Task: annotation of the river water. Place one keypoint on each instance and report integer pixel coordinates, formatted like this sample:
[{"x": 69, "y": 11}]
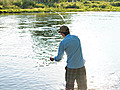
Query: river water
[{"x": 28, "y": 40}]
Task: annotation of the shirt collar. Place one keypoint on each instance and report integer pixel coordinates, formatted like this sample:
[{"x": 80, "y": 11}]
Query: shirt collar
[{"x": 67, "y": 36}]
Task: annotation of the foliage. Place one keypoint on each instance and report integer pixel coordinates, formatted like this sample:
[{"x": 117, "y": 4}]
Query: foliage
[
  {"x": 39, "y": 5},
  {"x": 116, "y": 4},
  {"x": 27, "y": 4},
  {"x": 57, "y": 5},
  {"x": 72, "y": 5},
  {"x": 1, "y": 6},
  {"x": 17, "y": 3},
  {"x": 103, "y": 6},
  {"x": 51, "y": 5},
  {"x": 11, "y": 7},
  {"x": 86, "y": 2},
  {"x": 1, "y": 3},
  {"x": 94, "y": 6}
]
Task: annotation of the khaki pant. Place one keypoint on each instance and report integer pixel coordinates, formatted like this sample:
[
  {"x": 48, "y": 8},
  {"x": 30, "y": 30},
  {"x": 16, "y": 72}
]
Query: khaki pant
[{"x": 76, "y": 74}]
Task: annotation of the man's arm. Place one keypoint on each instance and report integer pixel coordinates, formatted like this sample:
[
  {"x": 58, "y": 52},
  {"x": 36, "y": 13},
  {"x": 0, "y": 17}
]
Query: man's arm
[{"x": 60, "y": 53}]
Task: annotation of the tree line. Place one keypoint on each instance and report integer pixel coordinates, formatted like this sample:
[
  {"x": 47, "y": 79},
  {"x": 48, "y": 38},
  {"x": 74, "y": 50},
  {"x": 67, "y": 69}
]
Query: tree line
[
  {"x": 61, "y": 4},
  {"x": 54, "y": 1},
  {"x": 51, "y": 1}
]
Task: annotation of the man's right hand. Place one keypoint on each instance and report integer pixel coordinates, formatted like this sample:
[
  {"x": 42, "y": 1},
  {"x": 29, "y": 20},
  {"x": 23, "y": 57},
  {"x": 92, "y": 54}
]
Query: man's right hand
[{"x": 52, "y": 59}]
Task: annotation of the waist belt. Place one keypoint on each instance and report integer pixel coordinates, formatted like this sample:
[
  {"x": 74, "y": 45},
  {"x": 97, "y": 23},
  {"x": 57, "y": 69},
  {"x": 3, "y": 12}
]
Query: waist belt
[{"x": 75, "y": 69}]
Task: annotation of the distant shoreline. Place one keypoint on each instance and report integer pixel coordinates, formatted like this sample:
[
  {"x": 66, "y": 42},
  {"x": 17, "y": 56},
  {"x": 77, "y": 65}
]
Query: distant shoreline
[
  {"x": 44, "y": 10},
  {"x": 30, "y": 6}
]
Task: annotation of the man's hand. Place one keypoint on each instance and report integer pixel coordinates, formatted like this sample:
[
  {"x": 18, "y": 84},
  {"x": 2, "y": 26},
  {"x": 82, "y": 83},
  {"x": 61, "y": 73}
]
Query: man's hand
[{"x": 52, "y": 59}]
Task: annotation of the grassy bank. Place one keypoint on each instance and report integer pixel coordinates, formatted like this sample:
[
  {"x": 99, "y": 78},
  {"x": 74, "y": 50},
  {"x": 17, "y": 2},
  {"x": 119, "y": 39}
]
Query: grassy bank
[{"x": 18, "y": 7}]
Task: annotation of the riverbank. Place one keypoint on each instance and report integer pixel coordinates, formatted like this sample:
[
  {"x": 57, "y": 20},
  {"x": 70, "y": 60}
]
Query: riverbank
[
  {"x": 44, "y": 10},
  {"x": 63, "y": 7}
]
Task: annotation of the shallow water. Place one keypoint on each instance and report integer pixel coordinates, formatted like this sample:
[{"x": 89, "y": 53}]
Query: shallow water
[{"x": 28, "y": 40}]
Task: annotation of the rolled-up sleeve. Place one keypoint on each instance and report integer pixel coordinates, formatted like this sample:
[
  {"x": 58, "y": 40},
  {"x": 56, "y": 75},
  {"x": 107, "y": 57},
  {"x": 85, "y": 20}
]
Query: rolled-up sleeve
[{"x": 60, "y": 52}]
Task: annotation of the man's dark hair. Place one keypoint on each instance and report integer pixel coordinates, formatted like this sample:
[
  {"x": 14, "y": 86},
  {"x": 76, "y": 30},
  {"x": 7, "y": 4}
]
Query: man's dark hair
[{"x": 66, "y": 33}]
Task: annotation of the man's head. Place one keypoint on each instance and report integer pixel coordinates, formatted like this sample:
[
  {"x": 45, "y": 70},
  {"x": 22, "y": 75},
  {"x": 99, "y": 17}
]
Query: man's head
[{"x": 64, "y": 30}]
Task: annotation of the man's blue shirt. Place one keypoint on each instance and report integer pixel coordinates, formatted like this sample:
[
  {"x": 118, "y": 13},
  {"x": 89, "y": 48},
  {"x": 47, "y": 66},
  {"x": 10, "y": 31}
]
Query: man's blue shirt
[{"x": 72, "y": 46}]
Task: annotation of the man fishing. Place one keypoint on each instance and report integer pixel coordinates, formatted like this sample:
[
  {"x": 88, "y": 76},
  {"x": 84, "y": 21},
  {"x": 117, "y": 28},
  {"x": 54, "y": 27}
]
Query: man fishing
[{"x": 75, "y": 69}]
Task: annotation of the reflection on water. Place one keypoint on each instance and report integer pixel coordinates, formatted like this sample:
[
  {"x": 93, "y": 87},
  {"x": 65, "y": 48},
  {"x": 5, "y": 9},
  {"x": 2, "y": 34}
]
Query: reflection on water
[
  {"x": 44, "y": 44},
  {"x": 28, "y": 40}
]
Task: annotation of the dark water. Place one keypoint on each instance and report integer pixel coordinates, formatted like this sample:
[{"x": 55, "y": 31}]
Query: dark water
[{"x": 28, "y": 40}]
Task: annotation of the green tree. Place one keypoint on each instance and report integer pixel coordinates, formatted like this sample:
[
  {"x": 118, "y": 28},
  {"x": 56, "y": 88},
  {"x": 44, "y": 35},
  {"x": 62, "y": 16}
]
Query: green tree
[{"x": 5, "y": 2}]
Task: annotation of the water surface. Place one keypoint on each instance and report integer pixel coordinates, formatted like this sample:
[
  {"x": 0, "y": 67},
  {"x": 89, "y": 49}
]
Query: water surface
[{"x": 28, "y": 40}]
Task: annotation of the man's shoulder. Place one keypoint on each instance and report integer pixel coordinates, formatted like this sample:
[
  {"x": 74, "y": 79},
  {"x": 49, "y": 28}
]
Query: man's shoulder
[{"x": 74, "y": 36}]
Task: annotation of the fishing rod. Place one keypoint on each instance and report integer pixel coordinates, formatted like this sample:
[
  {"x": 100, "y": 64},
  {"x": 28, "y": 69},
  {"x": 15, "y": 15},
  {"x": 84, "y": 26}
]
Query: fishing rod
[{"x": 59, "y": 15}]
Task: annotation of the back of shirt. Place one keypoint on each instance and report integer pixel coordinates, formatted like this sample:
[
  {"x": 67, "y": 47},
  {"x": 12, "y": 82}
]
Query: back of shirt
[{"x": 72, "y": 46}]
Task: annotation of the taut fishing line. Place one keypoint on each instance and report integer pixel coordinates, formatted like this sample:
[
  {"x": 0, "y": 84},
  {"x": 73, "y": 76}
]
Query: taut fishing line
[{"x": 59, "y": 15}]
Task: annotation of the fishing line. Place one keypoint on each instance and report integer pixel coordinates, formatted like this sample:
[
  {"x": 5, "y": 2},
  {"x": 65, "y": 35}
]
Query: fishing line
[{"x": 59, "y": 15}]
